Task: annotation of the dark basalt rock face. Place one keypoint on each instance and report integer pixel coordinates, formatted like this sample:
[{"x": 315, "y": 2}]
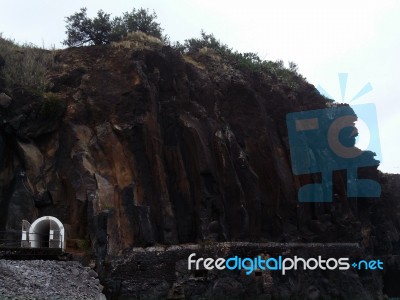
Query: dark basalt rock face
[{"x": 148, "y": 146}]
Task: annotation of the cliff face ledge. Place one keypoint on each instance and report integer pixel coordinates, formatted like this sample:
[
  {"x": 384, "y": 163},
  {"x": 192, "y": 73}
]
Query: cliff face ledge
[{"x": 140, "y": 146}]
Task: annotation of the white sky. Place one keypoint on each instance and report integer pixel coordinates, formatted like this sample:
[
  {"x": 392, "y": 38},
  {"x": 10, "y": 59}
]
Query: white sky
[{"x": 324, "y": 38}]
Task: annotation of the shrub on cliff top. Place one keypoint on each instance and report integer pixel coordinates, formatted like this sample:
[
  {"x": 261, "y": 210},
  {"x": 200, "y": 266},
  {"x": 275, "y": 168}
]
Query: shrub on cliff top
[
  {"x": 25, "y": 65},
  {"x": 247, "y": 62},
  {"x": 82, "y": 30},
  {"x": 243, "y": 61}
]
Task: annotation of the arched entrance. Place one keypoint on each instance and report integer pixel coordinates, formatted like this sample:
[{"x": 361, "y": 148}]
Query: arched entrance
[{"x": 46, "y": 232}]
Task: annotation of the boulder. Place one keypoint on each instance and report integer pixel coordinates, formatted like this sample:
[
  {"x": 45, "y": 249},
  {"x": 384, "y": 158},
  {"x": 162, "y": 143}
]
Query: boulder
[{"x": 5, "y": 100}]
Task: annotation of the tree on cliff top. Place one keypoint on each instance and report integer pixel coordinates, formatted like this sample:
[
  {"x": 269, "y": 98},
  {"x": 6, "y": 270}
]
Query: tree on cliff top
[{"x": 82, "y": 30}]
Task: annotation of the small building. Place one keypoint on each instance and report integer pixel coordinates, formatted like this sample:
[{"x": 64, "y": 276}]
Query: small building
[{"x": 45, "y": 232}]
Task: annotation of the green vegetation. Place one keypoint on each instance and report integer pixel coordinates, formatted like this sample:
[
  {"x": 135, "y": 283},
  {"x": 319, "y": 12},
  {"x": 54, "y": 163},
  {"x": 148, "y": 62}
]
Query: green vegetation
[
  {"x": 25, "y": 65},
  {"x": 51, "y": 106},
  {"x": 84, "y": 245},
  {"x": 101, "y": 30},
  {"x": 246, "y": 62}
]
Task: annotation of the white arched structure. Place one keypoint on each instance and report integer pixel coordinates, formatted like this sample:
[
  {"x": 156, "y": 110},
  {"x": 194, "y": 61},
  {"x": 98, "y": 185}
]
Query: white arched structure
[{"x": 47, "y": 232}]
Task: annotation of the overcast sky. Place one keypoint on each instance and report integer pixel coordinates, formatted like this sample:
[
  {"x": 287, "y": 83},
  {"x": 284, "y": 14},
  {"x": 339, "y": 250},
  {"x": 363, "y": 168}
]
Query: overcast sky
[{"x": 324, "y": 38}]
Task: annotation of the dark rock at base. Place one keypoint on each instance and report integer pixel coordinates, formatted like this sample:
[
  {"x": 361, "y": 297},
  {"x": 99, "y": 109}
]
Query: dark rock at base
[{"x": 227, "y": 288}]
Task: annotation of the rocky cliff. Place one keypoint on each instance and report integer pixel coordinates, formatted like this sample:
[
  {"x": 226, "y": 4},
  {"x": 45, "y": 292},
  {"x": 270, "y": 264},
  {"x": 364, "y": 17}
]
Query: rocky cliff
[{"x": 135, "y": 144}]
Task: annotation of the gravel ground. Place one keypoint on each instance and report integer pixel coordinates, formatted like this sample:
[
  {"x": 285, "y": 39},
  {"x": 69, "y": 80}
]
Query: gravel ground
[{"x": 38, "y": 279}]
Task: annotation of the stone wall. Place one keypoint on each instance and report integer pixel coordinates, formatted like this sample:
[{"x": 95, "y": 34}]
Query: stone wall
[{"x": 162, "y": 273}]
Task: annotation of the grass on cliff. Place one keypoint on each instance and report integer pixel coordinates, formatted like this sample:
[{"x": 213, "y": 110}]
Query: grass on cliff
[
  {"x": 51, "y": 106},
  {"x": 25, "y": 65}
]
